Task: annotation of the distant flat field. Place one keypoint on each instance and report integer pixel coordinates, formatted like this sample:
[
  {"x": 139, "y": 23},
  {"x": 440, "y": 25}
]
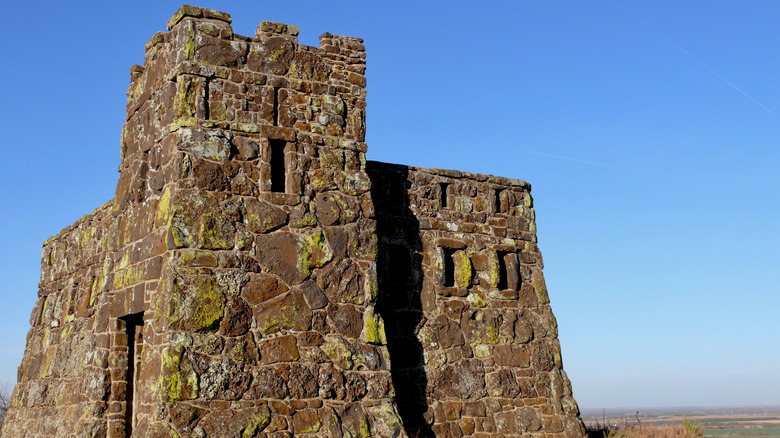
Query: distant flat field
[
  {"x": 718, "y": 422},
  {"x": 744, "y": 433}
]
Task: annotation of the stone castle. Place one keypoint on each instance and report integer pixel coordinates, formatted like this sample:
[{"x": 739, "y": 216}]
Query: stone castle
[{"x": 255, "y": 276}]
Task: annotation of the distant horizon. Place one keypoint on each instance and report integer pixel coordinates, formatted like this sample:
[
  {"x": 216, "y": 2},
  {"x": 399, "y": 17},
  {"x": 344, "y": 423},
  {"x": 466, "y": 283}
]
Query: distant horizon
[{"x": 626, "y": 408}]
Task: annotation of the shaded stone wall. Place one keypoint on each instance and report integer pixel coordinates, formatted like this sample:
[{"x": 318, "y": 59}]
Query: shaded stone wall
[
  {"x": 471, "y": 335},
  {"x": 241, "y": 280},
  {"x": 71, "y": 377}
]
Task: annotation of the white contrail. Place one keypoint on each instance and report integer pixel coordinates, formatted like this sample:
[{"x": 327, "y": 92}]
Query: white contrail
[
  {"x": 561, "y": 157},
  {"x": 719, "y": 76}
]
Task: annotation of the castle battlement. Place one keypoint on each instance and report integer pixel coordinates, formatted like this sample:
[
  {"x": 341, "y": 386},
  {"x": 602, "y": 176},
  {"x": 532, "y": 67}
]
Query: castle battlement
[{"x": 254, "y": 275}]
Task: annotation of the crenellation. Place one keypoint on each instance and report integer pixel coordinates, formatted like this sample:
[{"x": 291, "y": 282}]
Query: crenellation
[{"x": 198, "y": 12}]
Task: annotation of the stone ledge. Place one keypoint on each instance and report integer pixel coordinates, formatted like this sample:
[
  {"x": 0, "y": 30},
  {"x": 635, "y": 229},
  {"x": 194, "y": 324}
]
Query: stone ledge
[{"x": 197, "y": 12}]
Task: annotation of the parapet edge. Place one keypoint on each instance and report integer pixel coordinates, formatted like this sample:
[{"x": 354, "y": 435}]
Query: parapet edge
[{"x": 460, "y": 174}]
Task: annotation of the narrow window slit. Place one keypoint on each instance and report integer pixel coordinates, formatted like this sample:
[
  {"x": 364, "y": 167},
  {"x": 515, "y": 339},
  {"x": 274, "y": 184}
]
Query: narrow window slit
[
  {"x": 443, "y": 195},
  {"x": 276, "y": 106},
  {"x": 134, "y": 325},
  {"x": 498, "y": 200},
  {"x": 278, "y": 168},
  {"x": 449, "y": 267},
  {"x": 206, "y": 111},
  {"x": 503, "y": 281}
]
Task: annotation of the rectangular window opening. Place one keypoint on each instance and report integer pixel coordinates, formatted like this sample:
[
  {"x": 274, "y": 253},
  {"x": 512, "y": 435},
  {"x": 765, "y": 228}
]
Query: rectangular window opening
[
  {"x": 449, "y": 267},
  {"x": 134, "y": 325},
  {"x": 498, "y": 200},
  {"x": 443, "y": 195},
  {"x": 503, "y": 281},
  {"x": 276, "y": 106},
  {"x": 278, "y": 168}
]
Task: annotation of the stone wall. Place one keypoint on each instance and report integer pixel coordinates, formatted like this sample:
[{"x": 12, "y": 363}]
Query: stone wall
[
  {"x": 242, "y": 282},
  {"x": 471, "y": 335}
]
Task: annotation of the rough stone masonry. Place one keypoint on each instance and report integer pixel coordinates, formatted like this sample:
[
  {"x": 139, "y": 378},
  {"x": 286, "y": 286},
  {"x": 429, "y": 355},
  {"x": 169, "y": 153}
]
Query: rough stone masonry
[{"x": 255, "y": 276}]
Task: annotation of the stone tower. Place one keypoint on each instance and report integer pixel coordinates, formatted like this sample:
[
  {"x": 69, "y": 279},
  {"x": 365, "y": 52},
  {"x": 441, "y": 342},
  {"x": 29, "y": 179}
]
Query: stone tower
[{"x": 254, "y": 275}]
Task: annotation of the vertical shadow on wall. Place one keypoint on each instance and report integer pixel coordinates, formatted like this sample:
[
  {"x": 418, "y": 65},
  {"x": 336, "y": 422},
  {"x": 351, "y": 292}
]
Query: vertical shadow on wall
[{"x": 399, "y": 265}]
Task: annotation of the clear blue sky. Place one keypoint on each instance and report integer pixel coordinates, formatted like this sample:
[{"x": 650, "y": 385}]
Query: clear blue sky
[{"x": 649, "y": 131}]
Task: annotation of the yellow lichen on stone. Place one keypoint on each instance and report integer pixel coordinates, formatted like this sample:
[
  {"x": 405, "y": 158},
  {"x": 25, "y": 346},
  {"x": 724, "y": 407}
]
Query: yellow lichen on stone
[
  {"x": 188, "y": 90},
  {"x": 214, "y": 232},
  {"x": 313, "y": 251},
  {"x": 137, "y": 89},
  {"x": 189, "y": 45},
  {"x": 164, "y": 211},
  {"x": 99, "y": 284},
  {"x": 130, "y": 276},
  {"x": 387, "y": 422},
  {"x": 463, "y": 269},
  {"x": 256, "y": 424},
  {"x": 365, "y": 427},
  {"x": 483, "y": 351},
  {"x": 537, "y": 279},
  {"x": 248, "y": 127},
  {"x": 374, "y": 327},
  {"x": 208, "y": 304},
  {"x": 310, "y": 428},
  {"x": 477, "y": 299},
  {"x": 183, "y": 122},
  {"x": 48, "y": 357},
  {"x": 177, "y": 382},
  {"x": 492, "y": 332}
]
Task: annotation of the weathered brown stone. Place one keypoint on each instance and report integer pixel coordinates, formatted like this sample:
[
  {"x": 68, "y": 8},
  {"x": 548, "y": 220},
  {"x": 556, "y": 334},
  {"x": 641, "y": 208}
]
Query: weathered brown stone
[
  {"x": 282, "y": 349},
  {"x": 271, "y": 282},
  {"x": 261, "y": 288},
  {"x": 288, "y": 312},
  {"x": 306, "y": 421},
  {"x": 302, "y": 381},
  {"x": 346, "y": 319},
  {"x": 270, "y": 382},
  {"x": 238, "y": 316},
  {"x": 331, "y": 383},
  {"x": 278, "y": 253},
  {"x": 223, "y": 379},
  {"x": 465, "y": 380},
  {"x": 314, "y": 296},
  {"x": 210, "y": 176},
  {"x": 218, "y": 52},
  {"x": 261, "y": 217},
  {"x": 272, "y": 56},
  {"x": 247, "y": 422},
  {"x": 527, "y": 420}
]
